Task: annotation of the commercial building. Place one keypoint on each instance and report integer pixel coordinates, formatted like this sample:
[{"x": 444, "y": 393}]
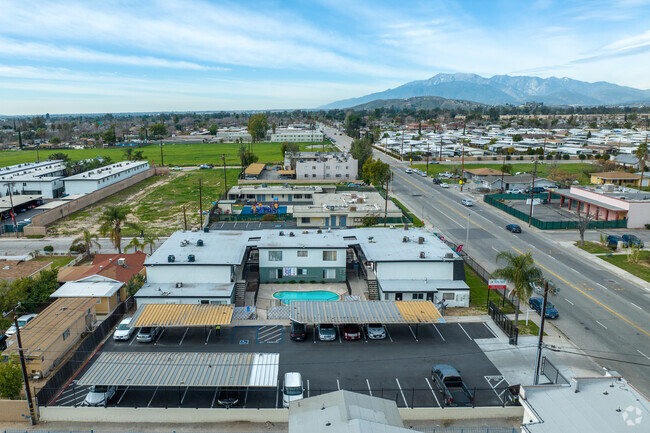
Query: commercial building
[
  {"x": 248, "y": 194},
  {"x": 47, "y": 338},
  {"x": 39, "y": 178},
  {"x": 295, "y": 135},
  {"x": 210, "y": 267},
  {"x": 334, "y": 166},
  {"x": 87, "y": 182}
]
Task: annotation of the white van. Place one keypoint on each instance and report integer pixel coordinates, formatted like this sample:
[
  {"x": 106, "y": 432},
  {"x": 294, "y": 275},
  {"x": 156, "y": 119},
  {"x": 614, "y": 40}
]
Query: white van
[{"x": 292, "y": 389}]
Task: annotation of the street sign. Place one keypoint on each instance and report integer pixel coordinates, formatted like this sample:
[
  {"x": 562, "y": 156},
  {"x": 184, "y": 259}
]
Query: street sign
[{"x": 497, "y": 284}]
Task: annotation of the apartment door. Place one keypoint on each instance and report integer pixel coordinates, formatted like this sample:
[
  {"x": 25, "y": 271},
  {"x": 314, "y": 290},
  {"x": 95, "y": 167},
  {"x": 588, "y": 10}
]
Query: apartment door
[{"x": 343, "y": 221}]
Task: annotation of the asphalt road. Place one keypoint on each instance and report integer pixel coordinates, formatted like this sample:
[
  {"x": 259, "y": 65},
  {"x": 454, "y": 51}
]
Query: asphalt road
[
  {"x": 397, "y": 368},
  {"x": 603, "y": 314}
]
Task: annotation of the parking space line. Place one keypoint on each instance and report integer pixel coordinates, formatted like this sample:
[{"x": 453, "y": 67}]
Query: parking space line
[
  {"x": 308, "y": 389},
  {"x": 133, "y": 338},
  {"x": 416, "y": 338},
  {"x": 122, "y": 396},
  {"x": 643, "y": 354},
  {"x": 154, "y": 394},
  {"x": 601, "y": 324},
  {"x": 569, "y": 301},
  {"x": 388, "y": 333},
  {"x": 159, "y": 336},
  {"x": 436, "y": 328},
  {"x": 490, "y": 329},
  {"x": 461, "y": 327},
  {"x": 369, "y": 390},
  {"x": 184, "y": 394},
  {"x": 338, "y": 385},
  {"x": 186, "y": 329},
  {"x": 339, "y": 333},
  {"x": 402, "y": 392},
  {"x": 432, "y": 391}
]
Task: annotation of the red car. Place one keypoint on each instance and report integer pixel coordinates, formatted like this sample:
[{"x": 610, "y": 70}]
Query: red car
[{"x": 352, "y": 332}]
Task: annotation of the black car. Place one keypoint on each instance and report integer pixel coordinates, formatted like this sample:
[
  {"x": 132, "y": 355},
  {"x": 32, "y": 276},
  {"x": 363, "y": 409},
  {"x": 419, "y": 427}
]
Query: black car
[
  {"x": 298, "y": 331},
  {"x": 229, "y": 397},
  {"x": 437, "y": 181},
  {"x": 513, "y": 228},
  {"x": 536, "y": 190},
  {"x": 632, "y": 240}
]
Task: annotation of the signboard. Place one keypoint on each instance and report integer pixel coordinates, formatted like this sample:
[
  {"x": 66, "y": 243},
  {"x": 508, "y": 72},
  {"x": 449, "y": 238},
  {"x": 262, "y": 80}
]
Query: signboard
[{"x": 496, "y": 284}]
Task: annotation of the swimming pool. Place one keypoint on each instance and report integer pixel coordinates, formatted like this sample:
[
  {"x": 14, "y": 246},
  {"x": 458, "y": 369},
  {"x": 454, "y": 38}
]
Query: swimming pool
[{"x": 317, "y": 295}]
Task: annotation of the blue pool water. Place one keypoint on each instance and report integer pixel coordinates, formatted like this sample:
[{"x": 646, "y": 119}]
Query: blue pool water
[{"x": 318, "y": 295}]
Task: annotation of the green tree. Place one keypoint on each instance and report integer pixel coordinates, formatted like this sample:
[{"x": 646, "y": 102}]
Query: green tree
[
  {"x": 128, "y": 154},
  {"x": 88, "y": 240},
  {"x": 361, "y": 150},
  {"x": 59, "y": 156},
  {"x": 353, "y": 123},
  {"x": 289, "y": 147},
  {"x": 111, "y": 223},
  {"x": 55, "y": 140},
  {"x": 379, "y": 173},
  {"x": 213, "y": 129},
  {"x": 258, "y": 124},
  {"x": 641, "y": 153},
  {"x": 109, "y": 136},
  {"x": 520, "y": 271},
  {"x": 517, "y": 138},
  {"x": 135, "y": 244},
  {"x": 11, "y": 378},
  {"x": 158, "y": 131},
  {"x": 246, "y": 157},
  {"x": 134, "y": 284}
]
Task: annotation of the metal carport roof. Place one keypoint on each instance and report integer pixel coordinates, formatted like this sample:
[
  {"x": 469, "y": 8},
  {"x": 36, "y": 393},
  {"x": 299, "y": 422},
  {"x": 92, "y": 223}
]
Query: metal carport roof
[
  {"x": 182, "y": 315},
  {"x": 184, "y": 369},
  {"x": 386, "y": 312}
]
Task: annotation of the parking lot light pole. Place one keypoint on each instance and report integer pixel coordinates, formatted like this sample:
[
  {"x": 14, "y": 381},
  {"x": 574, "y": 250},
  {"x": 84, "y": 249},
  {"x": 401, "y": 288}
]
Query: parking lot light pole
[{"x": 541, "y": 336}]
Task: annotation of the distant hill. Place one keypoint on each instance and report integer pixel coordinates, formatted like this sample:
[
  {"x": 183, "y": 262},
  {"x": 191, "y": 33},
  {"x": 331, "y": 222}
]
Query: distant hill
[
  {"x": 504, "y": 89},
  {"x": 420, "y": 102}
]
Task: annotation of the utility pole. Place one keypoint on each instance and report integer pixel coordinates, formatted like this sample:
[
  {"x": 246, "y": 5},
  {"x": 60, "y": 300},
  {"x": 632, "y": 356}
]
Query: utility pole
[
  {"x": 401, "y": 155},
  {"x": 532, "y": 195},
  {"x": 200, "y": 203},
  {"x": 225, "y": 178},
  {"x": 162, "y": 160},
  {"x": 541, "y": 336},
  {"x": 411, "y": 155},
  {"x": 503, "y": 173},
  {"x": 462, "y": 164},
  {"x": 428, "y": 155},
  {"x": 11, "y": 201},
  {"x": 469, "y": 216},
  {"x": 28, "y": 392},
  {"x": 184, "y": 218},
  {"x": 440, "y": 158}
]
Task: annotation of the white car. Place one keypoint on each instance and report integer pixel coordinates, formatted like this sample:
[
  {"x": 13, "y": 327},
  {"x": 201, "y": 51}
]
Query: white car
[
  {"x": 99, "y": 395},
  {"x": 22, "y": 321},
  {"x": 176, "y": 168},
  {"x": 408, "y": 171},
  {"x": 515, "y": 191},
  {"x": 376, "y": 331},
  {"x": 123, "y": 332},
  {"x": 467, "y": 202},
  {"x": 444, "y": 185},
  {"x": 422, "y": 173}
]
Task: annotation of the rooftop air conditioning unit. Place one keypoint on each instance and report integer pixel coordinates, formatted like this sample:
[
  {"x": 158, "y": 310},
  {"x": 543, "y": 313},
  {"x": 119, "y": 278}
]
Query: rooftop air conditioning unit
[
  {"x": 405, "y": 239},
  {"x": 422, "y": 255},
  {"x": 291, "y": 234},
  {"x": 420, "y": 240},
  {"x": 281, "y": 233},
  {"x": 449, "y": 255},
  {"x": 191, "y": 258},
  {"x": 199, "y": 243},
  {"x": 179, "y": 285},
  {"x": 171, "y": 258},
  {"x": 121, "y": 262}
]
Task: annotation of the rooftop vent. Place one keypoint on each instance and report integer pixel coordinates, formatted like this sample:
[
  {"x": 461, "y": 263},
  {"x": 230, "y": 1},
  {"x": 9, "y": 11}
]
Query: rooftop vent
[
  {"x": 319, "y": 231},
  {"x": 449, "y": 255},
  {"x": 405, "y": 239},
  {"x": 406, "y": 226},
  {"x": 291, "y": 234},
  {"x": 179, "y": 285},
  {"x": 199, "y": 243},
  {"x": 191, "y": 258},
  {"x": 171, "y": 258},
  {"x": 206, "y": 229},
  {"x": 281, "y": 233},
  {"x": 420, "y": 240},
  {"x": 304, "y": 232},
  {"x": 422, "y": 255}
]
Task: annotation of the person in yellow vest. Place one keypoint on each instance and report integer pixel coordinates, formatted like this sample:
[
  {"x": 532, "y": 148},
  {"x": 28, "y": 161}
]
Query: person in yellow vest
[{"x": 218, "y": 329}]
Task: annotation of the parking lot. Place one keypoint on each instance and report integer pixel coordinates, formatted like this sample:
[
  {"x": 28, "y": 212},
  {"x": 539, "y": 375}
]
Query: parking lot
[{"x": 397, "y": 367}]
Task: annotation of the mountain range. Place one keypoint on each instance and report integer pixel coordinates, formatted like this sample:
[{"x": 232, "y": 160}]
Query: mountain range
[{"x": 505, "y": 89}]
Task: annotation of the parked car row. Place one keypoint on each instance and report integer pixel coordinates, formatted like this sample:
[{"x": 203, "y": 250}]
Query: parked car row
[
  {"x": 146, "y": 334},
  {"x": 627, "y": 240},
  {"x": 350, "y": 331}
]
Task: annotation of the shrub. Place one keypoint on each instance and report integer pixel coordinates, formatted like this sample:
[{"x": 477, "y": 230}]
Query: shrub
[
  {"x": 48, "y": 249},
  {"x": 508, "y": 157},
  {"x": 269, "y": 217},
  {"x": 647, "y": 226},
  {"x": 481, "y": 159},
  {"x": 565, "y": 157},
  {"x": 521, "y": 158}
]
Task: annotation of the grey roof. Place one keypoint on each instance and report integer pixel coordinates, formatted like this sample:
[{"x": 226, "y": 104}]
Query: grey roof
[
  {"x": 109, "y": 170},
  {"x": 568, "y": 194},
  {"x": 189, "y": 290},
  {"x": 87, "y": 289},
  {"x": 626, "y": 158},
  {"x": 601, "y": 405},
  {"x": 421, "y": 285},
  {"x": 345, "y": 412},
  {"x": 298, "y": 239},
  {"x": 387, "y": 245},
  {"x": 226, "y": 247},
  {"x": 29, "y": 166},
  {"x": 387, "y": 312},
  {"x": 183, "y": 369}
]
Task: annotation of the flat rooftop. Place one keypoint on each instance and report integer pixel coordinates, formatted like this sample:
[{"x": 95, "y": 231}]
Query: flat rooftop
[
  {"x": 26, "y": 167},
  {"x": 225, "y": 247},
  {"x": 5, "y": 202},
  {"x": 364, "y": 202},
  {"x": 619, "y": 192},
  {"x": 275, "y": 189},
  {"x": 109, "y": 170}
]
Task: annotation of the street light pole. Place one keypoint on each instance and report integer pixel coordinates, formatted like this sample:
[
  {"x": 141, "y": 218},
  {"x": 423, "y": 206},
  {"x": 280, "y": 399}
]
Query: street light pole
[
  {"x": 428, "y": 155},
  {"x": 28, "y": 392},
  {"x": 541, "y": 336}
]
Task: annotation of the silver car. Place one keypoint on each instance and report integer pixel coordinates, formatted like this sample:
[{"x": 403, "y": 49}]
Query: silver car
[
  {"x": 376, "y": 331},
  {"x": 148, "y": 334},
  {"x": 326, "y": 332},
  {"x": 99, "y": 395}
]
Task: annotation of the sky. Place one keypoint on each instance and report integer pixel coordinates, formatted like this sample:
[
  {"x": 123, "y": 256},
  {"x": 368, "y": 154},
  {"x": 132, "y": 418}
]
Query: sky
[{"x": 207, "y": 55}]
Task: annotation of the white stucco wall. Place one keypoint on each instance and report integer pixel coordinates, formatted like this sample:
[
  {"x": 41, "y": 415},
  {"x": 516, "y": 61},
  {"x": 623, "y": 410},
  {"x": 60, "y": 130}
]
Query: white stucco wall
[
  {"x": 290, "y": 258},
  {"x": 418, "y": 270},
  {"x": 189, "y": 274}
]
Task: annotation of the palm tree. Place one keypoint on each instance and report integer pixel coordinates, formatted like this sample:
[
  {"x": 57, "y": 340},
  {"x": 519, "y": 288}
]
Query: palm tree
[
  {"x": 135, "y": 244},
  {"x": 88, "y": 239},
  {"x": 641, "y": 153},
  {"x": 150, "y": 240},
  {"x": 519, "y": 270},
  {"x": 111, "y": 224}
]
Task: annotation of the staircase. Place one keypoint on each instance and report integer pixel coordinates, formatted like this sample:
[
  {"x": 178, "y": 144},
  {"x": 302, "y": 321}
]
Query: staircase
[
  {"x": 373, "y": 290},
  {"x": 240, "y": 294}
]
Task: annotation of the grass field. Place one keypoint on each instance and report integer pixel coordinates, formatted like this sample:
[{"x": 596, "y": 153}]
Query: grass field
[
  {"x": 543, "y": 170},
  {"x": 478, "y": 294},
  {"x": 157, "y": 203},
  {"x": 593, "y": 247},
  {"x": 191, "y": 154},
  {"x": 640, "y": 270}
]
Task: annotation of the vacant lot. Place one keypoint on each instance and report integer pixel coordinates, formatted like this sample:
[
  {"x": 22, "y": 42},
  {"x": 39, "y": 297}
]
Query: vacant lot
[
  {"x": 191, "y": 154},
  {"x": 157, "y": 203}
]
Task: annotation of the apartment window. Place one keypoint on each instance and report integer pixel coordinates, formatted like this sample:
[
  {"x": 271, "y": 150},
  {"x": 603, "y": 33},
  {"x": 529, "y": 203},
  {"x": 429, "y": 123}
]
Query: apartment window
[
  {"x": 307, "y": 195},
  {"x": 303, "y": 253},
  {"x": 297, "y": 196},
  {"x": 329, "y": 256},
  {"x": 302, "y": 271},
  {"x": 313, "y": 167},
  {"x": 205, "y": 301},
  {"x": 275, "y": 256},
  {"x": 306, "y": 175},
  {"x": 329, "y": 274},
  {"x": 313, "y": 175},
  {"x": 448, "y": 296},
  {"x": 306, "y": 219},
  {"x": 416, "y": 296},
  {"x": 338, "y": 174},
  {"x": 66, "y": 334},
  {"x": 328, "y": 175}
]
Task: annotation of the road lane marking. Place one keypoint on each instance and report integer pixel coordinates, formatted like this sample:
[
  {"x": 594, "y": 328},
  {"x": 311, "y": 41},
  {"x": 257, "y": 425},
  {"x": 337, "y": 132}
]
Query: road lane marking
[
  {"x": 636, "y": 306},
  {"x": 399, "y": 175},
  {"x": 601, "y": 324},
  {"x": 461, "y": 327},
  {"x": 402, "y": 392},
  {"x": 589, "y": 296},
  {"x": 432, "y": 391},
  {"x": 436, "y": 328},
  {"x": 643, "y": 354},
  {"x": 464, "y": 216},
  {"x": 569, "y": 301},
  {"x": 308, "y": 389},
  {"x": 369, "y": 390}
]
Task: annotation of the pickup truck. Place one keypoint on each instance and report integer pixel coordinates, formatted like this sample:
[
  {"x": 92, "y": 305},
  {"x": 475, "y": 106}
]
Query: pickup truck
[{"x": 449, "y": 382}]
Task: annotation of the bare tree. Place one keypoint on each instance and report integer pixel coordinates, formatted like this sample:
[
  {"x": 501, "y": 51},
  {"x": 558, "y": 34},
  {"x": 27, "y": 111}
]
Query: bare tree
[{"x": 584, "y": 219}]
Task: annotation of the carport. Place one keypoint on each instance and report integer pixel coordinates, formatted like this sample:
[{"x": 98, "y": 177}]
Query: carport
[
  {"x": 365, "y": 312},
  {"x": 184, "y": 370},
  {"x": 182, "y": 315}
]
